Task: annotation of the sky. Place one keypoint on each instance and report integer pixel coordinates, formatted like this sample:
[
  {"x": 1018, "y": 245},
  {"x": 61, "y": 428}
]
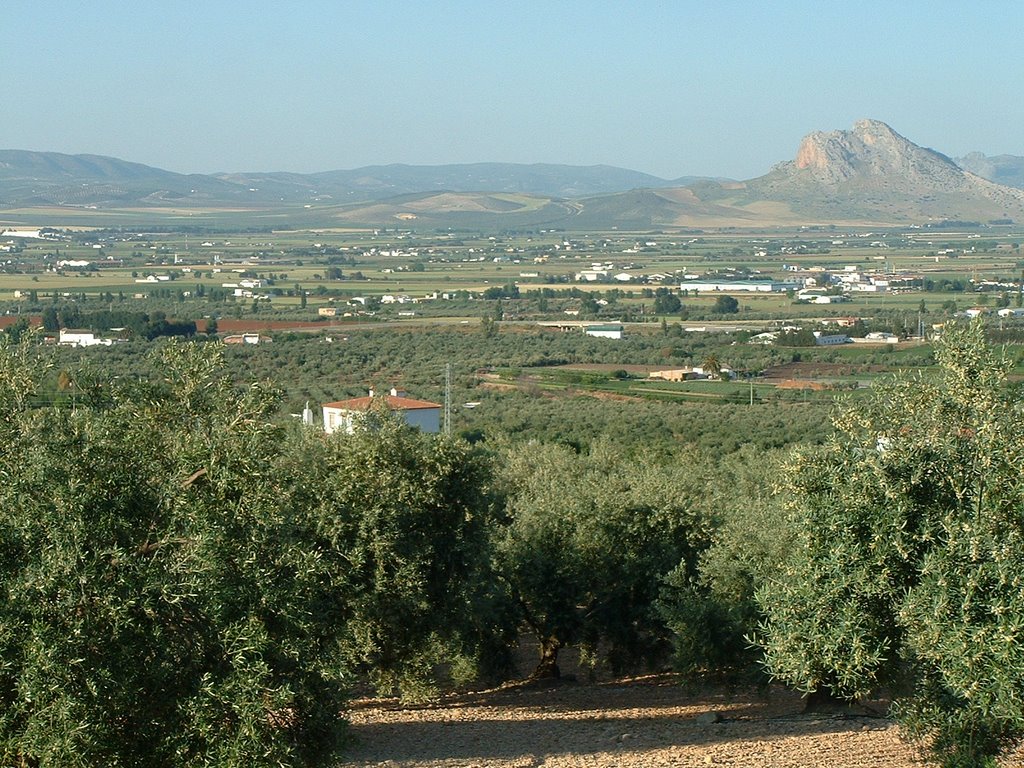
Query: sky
[{"x": 687, "y": 88}]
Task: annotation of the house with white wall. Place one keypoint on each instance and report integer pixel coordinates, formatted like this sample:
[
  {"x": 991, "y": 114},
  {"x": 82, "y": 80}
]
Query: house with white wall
[
  {"x": 605, "y": 331},
  {"x": 77, "y": 338},
  {"x": 346, "y": 415}
]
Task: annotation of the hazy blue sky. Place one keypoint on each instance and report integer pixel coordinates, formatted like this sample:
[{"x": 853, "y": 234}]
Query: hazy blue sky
[{"x": 708, "y": 87}]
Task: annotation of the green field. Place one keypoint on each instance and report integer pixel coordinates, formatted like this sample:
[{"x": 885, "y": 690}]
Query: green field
[
  {"x": 509, "y": 282},
  {"x": 422, "y": 264}
]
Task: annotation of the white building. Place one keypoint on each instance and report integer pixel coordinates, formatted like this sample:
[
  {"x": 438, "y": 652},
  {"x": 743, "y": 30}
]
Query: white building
[
  {"x": 823, "y": 340},
  {"x": 246, "y": 338},
  {"x": 346, "y": 415},
  {"x": 73, "y": 338},
  {"x": 605, "y": 331}
]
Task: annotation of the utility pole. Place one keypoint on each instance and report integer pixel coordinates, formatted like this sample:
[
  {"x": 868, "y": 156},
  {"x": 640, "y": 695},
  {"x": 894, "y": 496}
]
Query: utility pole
[{"x": 447, "y": 398}]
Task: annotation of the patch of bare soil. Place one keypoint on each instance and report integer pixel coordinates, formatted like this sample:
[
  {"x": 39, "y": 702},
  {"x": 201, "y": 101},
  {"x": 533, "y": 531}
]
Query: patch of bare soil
[
  {"x": 649, "y": 722},
  {"x": 607, "y": 368},
  {"x": 819, "y": 370}
]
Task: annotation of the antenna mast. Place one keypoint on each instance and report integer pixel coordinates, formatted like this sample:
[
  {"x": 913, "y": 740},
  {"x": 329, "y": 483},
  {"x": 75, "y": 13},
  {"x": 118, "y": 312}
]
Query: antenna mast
[{"x": 447, "y": 398}]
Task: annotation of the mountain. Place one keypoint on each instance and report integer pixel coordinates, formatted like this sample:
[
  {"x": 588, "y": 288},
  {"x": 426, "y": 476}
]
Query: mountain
[
  {"x": 571, "y": 181},
  {"x": 868, "y": 175},
  {"x": 1002, "y": 169},
  {"x": 51, "y": 178},
  {"x": 872, "y": 173}
]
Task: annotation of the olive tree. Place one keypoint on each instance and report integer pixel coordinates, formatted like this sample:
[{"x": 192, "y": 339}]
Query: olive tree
[
  {"x": 412, "y": 514},
  {"x": 587, "y": 541},
  {"x": 907, "y": 570},
  {"x": 713, "y": 614},
  {"x": 160, "y": 606},
  {"x": 186, "y": 581}
]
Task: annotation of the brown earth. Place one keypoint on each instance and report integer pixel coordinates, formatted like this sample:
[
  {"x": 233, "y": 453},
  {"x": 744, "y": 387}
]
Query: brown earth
[
  {"x": 818, "y": 370},
  {"x": 253, "y": 325},
  {"x": 6, "y": 321},
  {"x": 649, "y": 722},
  {"x": 817, "y": 386}
]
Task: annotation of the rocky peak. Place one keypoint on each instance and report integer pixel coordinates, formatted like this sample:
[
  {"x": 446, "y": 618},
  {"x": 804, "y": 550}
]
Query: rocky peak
[
  {"x": 874, "y": 173},
  {"x": 871, "y": 149},
  {"x": 1001, "y": 169}
]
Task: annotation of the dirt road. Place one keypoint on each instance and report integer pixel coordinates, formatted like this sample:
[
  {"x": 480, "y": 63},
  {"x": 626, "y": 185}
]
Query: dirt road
[{"x": 647, "y": 722}]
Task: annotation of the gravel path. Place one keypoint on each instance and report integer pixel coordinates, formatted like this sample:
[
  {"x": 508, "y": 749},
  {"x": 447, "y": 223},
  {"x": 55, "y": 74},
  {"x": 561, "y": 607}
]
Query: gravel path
[{"x": 645, "y": 722}]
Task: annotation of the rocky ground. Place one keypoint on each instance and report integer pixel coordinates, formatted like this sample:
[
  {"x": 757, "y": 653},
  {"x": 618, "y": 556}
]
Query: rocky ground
[{"x": 650, "y": 722}]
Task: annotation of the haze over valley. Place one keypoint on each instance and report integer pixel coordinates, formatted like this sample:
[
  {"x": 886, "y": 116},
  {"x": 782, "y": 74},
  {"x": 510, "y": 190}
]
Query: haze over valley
[
  {"x": 489, "y": 385},
  {"x": 867, "y": 175}
]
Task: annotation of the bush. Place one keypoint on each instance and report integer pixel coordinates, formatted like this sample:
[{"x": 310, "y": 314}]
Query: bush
[
  {"x": 906, "y": 571},
  {"x": 185, "y": 582}
]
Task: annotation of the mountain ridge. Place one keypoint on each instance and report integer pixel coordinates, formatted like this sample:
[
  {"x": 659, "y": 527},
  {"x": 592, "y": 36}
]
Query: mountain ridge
[
  {"x": 869, "y": 174},
  {"x": 1007, "y": 170},
  {"x": 60, "y": 179}
]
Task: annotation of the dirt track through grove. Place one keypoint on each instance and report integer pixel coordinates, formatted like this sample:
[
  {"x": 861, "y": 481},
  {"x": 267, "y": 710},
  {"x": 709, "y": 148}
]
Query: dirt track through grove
[{"x": 647, "y": 722}]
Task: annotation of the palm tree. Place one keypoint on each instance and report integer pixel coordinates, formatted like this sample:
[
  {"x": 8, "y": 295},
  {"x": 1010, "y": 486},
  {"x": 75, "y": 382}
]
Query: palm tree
[{"x": 711, "y": 365}]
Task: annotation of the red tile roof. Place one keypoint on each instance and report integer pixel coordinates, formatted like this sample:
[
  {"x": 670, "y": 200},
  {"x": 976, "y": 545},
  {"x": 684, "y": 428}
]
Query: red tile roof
[{"x": 393, "y": 402}]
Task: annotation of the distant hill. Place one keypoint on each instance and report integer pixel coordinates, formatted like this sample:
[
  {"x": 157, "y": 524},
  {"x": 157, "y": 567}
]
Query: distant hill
[
  {"x": 872, "y": 173},
  {"x": 51, "y": 178},
  {"x": 1002, "y": 169},
  {"x": 379, "y": 181},
  {"x": 867, "y": 175}
]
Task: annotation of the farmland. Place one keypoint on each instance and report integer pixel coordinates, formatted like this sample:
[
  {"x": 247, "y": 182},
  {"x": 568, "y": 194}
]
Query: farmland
[
  {"x": 641, "y": 470},
  {"x": 330, "y": 267},
  {"x": 349, "y": 309}
]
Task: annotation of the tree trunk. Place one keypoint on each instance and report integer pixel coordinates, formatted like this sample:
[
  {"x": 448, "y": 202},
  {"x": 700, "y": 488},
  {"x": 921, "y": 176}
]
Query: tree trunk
[
  {"x": 548, "y": 666},
  {"x": 824, "y": 701}
]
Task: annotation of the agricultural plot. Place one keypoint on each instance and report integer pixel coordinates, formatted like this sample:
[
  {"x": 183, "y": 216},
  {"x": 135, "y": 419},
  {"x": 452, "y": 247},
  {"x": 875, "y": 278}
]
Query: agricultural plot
[{"x": 333, "y": 280}]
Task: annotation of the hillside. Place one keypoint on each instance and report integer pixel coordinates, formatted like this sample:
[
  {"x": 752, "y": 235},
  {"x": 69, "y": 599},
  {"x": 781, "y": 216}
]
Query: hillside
[
  {"x": 867, "y": 175},
  {"x": 1002, "y": 169},
  {"x": 52, "y": 178}
]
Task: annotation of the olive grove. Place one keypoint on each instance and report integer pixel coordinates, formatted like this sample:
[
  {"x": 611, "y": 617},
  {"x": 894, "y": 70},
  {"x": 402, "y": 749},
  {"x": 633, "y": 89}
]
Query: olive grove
[{"x": 907, "y": 568}]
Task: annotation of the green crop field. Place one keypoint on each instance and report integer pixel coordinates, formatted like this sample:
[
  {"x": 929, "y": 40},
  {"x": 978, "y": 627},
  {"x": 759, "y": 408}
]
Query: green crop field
[{"x": 216, "y": 267}]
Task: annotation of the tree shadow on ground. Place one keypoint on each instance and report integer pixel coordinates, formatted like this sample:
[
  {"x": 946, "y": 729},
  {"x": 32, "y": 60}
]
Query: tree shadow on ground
[{"x": 525, "y": 725}]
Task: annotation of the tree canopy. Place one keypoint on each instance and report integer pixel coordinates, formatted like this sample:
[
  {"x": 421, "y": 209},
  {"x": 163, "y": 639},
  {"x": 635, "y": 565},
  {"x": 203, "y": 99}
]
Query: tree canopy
[
  {"x": 185, "y": 581},
  {"x": 588, "y": 539},
  {"x": 907, "y": 570}
]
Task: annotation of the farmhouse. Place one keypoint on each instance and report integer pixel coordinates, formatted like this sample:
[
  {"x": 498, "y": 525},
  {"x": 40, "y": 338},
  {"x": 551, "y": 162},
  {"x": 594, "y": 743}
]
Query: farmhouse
[
  {"x": 76, "y": 338},
  {"x": 694, "y": 373},
  {"x": 749, "y": 286},
  {"x": 346, "y": 415},
  {"x": 605, "y": 331}
]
